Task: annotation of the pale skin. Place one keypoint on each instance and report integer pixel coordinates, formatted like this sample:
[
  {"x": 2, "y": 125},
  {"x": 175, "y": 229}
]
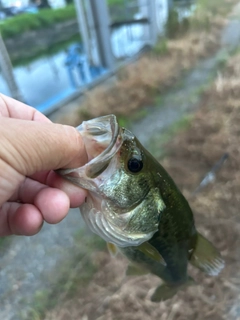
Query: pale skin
[{"x": 31, "y": 148}]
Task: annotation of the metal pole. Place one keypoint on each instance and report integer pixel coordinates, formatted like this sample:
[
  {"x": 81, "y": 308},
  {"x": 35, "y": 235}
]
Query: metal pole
[
  {"x": 162, "y": 12},
  {"x": 152, "y": 22},
  {"x": 84, "y": 33},
  {"x": 6, "y": 67},
  {"x": 101, "y": 20},
  {"x": 95, "y": 59},
  {"x": 82, "y": 25}
]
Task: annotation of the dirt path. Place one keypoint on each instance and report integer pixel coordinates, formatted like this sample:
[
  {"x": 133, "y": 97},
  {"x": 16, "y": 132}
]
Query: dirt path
[
  {"x": 26, "y": 263},
  {"x": 185, "y": 97}
]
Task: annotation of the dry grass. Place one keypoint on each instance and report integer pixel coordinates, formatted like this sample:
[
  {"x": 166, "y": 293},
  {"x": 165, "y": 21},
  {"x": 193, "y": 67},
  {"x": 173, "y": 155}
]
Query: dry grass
[
  {"x": 138, "y": 84},
  {"x": 214, "y": 131}
]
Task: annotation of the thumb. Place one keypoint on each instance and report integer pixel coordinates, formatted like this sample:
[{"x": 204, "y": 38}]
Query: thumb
[{"x": 30, "y": 146}]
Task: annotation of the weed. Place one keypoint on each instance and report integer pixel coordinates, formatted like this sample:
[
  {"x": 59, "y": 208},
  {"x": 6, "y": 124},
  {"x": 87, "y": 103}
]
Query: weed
[
  {"x": 115, "y": 2},
  {"x": 175, "y": 26},
  {"x": 19, "y": 24},
  {"x": 158, "y": 100},
  {"x": 158, "y": 142},
  {"x": 4, "y": 244},
  {"x": 209, "y": 14},
  {"x": 123, "y": 121},
  {"x": 161, "y": 48}
]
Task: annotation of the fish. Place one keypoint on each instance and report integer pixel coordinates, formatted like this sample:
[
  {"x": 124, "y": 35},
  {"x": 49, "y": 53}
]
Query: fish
[{"x": 135, "y": 206}]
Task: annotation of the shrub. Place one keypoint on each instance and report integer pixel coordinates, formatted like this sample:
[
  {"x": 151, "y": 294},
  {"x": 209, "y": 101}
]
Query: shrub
[{"x": 25, "y": 22}]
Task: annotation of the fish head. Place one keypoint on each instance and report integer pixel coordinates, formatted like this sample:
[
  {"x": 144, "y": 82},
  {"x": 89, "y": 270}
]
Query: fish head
[{"x": 124, "y": 204}]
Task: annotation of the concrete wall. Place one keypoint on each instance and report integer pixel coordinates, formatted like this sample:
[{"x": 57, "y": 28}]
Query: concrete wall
[{"x": 31, "y": 43}]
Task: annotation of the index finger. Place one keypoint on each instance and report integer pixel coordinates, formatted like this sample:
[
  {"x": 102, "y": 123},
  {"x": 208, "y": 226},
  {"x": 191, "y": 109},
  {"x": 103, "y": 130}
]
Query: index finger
[{"x": 12, "y": 108}]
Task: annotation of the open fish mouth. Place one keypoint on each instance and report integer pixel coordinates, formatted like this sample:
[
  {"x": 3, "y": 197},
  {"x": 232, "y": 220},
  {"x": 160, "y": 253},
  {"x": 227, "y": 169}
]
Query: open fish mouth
[{"x": 102, "y": 139}]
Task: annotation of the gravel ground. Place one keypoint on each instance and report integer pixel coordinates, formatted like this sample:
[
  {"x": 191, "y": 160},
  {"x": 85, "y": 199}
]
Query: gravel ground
[{"x": 26, "y": 262}]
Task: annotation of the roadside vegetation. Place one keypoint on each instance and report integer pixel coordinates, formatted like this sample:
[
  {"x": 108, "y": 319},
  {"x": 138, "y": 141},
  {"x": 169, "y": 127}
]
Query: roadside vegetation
[
  {"x": 19, "y": 24},
  {"x": 138, "y": 84},
  {"x": 115, "y": 2},
  {"x": 191, "y": 154}
]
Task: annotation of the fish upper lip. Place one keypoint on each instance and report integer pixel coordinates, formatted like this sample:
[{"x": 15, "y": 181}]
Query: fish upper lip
[
  {"x": 115, "y": 133},
  {"x": 76, "y": 174}
]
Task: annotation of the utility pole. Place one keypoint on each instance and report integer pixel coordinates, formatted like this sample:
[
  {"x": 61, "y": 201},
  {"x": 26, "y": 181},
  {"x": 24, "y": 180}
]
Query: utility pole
[
  {"x": 153, "y": 28},
  {"x": 6, "y": 68},
  {"x": 103, "y": 34},
  {"x": 82, "y": 26},
  {"x": 162, "y": 12},
  {"x": 84, "y": 33},
  {"x": 95, "y": 59}
]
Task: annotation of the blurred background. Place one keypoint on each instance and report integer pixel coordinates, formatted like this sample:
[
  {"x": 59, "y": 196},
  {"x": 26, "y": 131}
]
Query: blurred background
[{"x": 169, "y": 69}]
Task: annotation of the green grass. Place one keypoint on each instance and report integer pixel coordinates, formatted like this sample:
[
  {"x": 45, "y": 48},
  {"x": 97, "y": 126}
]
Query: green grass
[
  {"x": 2, "y": 240},
  {"x": 206, "y": 10},
  {"x": 157, "y": 144},
  {"x": 174, "y": 26},
  {"x": 4, "y": 243},
  {"x": 161, "y": 47},
  {"x": 17, "y": 25},
  {"x": 115, "y": 2},
  {"x": 125, "y": 121},
  {"x": 158, "y": 100},
  {"x": 214, "y": 6}
]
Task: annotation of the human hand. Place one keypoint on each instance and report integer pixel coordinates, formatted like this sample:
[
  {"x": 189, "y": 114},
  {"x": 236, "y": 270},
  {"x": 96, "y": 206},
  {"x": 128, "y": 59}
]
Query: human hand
[{"x": 31, "y": 147}]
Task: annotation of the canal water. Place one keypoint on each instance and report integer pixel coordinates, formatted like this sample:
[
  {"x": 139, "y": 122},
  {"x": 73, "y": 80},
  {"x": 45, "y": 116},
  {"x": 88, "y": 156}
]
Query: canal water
[{"x": 48, "y": 80}]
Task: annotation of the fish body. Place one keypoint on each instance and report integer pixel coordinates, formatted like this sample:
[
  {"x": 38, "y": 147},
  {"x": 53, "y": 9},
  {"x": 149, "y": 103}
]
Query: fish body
[{"x": 135, "y": 205}]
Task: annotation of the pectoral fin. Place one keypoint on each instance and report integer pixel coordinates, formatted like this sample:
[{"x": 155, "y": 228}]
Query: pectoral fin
[
  {"x": 113, "y": 250},
  {"x": 133, "y": 270},
  {"x": 151, "y": 252},
  {"x": 206, "y": 257}
]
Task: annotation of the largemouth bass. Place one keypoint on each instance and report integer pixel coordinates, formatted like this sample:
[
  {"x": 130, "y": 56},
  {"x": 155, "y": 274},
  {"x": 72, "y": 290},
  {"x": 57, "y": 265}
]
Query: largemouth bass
[{"x": 135, "y": 206}]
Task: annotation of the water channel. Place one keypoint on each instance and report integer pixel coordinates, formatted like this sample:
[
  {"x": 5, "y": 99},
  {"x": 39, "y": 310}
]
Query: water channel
[{"x": 46, "y": 80}]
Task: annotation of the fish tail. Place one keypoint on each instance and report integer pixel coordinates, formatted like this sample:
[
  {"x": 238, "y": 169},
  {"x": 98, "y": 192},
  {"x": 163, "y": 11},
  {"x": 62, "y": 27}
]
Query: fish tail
[
  {"x": 206, "y": 257},
  {"x": 166, "y": 291}
]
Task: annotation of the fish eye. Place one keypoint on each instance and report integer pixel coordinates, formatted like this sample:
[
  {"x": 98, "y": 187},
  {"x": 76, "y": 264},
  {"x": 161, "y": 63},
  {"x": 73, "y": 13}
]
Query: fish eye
[{"x": 135, "y": 165}]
